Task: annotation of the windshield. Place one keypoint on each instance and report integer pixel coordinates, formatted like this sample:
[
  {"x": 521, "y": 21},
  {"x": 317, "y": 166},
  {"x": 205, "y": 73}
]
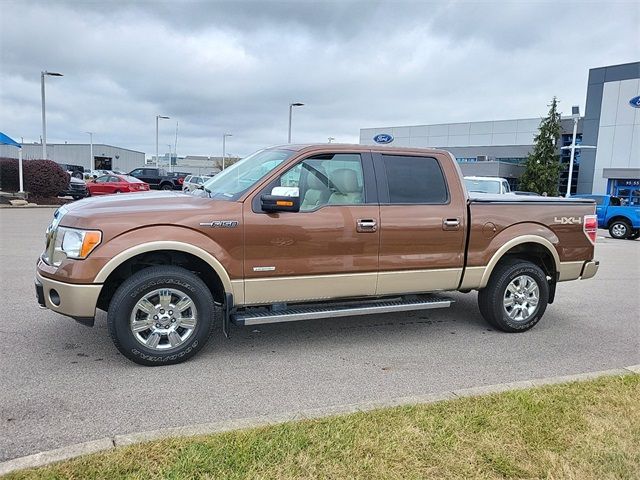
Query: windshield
[
  {"x": 232, "y": 182},
  {"x": 483, "y": 186}
]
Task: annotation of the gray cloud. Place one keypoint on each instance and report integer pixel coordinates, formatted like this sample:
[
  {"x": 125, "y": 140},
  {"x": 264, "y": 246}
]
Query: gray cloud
[{"x": 234, "y": 66}]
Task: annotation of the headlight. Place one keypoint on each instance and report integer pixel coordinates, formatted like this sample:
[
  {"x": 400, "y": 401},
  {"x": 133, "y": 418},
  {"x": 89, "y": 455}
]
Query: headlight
[{"x": 74, "y": 243}]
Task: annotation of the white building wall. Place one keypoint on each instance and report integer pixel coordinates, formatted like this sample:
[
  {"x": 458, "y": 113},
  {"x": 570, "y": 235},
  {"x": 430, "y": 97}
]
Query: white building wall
[
  {"x": 469, "y": 134},
  {"x": 618, "y": 132},
  {"x": 79, "y": 154}
]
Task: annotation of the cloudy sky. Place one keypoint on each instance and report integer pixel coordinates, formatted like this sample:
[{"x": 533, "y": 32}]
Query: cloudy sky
[{"x": 234, "y": 67}]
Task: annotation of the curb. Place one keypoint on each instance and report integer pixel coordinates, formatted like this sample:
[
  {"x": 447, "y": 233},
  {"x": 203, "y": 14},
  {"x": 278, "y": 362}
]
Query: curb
[
  {"x": 29, "y": 206},
  {"x": 103, "y": 444}
]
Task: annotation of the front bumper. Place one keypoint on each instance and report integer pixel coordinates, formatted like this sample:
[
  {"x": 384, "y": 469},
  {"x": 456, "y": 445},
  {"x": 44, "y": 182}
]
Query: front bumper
[
  {"x": 73, "y": 300},
  {"x": 589, "y": 269}
]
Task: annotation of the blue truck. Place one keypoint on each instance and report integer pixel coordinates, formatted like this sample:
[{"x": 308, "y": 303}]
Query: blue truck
[{"x": 622, "y": 221}]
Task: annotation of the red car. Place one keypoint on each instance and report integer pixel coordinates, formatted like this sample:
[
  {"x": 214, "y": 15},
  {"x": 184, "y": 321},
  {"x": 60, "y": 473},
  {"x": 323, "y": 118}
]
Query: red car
[{"x": 111, "y": 183}]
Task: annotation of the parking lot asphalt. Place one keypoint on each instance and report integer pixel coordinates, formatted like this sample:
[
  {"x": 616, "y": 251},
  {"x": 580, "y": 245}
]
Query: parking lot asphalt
[{"x": 63, "y": 383}]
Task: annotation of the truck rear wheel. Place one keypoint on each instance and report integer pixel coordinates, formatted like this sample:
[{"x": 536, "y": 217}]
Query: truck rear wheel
[
  {"x": 161, "y": 315},
  {"x": 166, "y": 186},
  {"x": 619, "y": 229},
  {"x": 515, "y": 297}
]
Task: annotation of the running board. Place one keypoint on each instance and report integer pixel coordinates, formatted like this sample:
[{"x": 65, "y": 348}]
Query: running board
[{"x": 261, "y": 315}]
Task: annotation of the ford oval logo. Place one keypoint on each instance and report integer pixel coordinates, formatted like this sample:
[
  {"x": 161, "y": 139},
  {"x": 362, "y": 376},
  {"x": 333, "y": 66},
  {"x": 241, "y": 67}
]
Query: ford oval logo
[
  {"x": 634, "y": 102},
  {"x": 383, "y": 138}
]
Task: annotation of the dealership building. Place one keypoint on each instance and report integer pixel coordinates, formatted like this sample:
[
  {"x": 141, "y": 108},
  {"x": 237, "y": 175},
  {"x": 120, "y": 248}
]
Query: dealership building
[
  {"x": 106, "y": 157},
  {"x": 500, "y": 147}
]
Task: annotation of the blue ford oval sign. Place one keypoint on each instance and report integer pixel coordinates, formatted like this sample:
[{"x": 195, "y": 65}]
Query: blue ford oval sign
[
  {"x": 383, "y": 138},
  {"x": 635, "y": 102}
]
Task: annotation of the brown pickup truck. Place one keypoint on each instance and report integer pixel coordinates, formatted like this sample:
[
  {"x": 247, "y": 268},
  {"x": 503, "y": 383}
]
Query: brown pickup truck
[{"x": 303, "y": 232}]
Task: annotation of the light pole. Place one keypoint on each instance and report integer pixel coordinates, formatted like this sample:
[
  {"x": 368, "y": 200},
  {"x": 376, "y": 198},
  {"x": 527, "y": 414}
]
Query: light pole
[
  {"x": 44, "y": 119},
  {"x": 575, "y": 113},
  {"x": 170, "y": 158},
  {"x": 158, "y": 117},
  {"x": 93, "y": 167},
  {"x": 224, "y": 146},
  {"x": 291, "y": 105}
]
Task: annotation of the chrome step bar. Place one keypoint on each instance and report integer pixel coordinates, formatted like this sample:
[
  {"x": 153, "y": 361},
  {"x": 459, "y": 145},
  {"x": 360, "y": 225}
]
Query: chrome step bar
[{"x": 261, "y": 315}]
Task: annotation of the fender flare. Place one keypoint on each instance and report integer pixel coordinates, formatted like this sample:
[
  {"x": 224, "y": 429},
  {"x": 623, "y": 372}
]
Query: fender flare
[
  {"x": 513, "y": 243},
  {"x": 125, "y": 255}
]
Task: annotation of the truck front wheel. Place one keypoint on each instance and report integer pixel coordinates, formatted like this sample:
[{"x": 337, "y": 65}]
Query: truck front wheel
[
  {"x": 161, "y": 315},
  {"x": 515, "y": 297}
]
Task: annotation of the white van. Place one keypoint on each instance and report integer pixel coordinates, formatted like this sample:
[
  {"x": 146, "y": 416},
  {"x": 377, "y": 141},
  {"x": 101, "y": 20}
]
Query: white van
[{"x": 495, "y": 185}]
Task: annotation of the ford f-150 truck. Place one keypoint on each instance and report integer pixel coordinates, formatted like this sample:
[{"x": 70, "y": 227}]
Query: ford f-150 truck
[
  {"x": 303, "y": 232},
  {"x": 622, "y": 221}
]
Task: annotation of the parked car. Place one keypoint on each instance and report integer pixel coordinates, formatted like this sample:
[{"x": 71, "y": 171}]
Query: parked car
[
  {"x": 158, "y": 178},
  {"x": 622, "y": 221},
  {"x": 487, "y": 185},
  {"x": 76, "y": 189},
  {"x": 324, "y": 231},
  {"x": 76, "y": 171},
  {"x": 522, "y": 192},
  {"x": 191, "y": 182},
  {"x": 107, "y": 184}
]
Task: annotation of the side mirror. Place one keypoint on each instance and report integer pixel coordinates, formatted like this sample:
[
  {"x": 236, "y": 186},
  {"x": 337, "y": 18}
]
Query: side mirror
[
  {"x": 95, "y": 176},
  {"x": 282, "y": 199}
]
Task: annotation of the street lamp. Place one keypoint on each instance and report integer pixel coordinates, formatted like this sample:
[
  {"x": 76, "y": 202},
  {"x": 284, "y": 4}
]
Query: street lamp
[
  {"x": 93, "y": 167},
  {"x": 224, "y": 138},
  {"x": 158, "y": 117},
  {"x": 575, "y": 113},
  {"x": 291, "y": 105},
  {"x": 44, "y": 121}
]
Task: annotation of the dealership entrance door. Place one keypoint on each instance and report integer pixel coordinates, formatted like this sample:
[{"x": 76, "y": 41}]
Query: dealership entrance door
[{"x": 103, "y": 163}]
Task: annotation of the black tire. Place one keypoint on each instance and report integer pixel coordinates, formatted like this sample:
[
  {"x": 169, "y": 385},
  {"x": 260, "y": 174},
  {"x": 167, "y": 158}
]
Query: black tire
[
  {"x": 166, "y": 186},
  {"x": 77, "y": 197},
  {"x": 634, "y": 234},
  {"x": 147, "y": 281},
  {"x": 619, "y": 229},
  {"x": 491, "y": 298}
]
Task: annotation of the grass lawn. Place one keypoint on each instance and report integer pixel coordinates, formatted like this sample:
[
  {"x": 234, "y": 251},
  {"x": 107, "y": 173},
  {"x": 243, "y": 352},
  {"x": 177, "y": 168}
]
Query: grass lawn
[{"x": 585, "y": 430}]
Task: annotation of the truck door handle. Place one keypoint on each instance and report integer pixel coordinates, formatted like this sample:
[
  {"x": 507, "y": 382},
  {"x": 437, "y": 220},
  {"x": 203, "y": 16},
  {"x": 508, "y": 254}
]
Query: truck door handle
[
  {"x": 366, "y": 225},
  {"x": 450, "y": 223}
]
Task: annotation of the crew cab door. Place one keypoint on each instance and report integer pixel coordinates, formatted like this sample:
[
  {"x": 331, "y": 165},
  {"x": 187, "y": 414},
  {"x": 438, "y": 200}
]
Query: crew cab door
[
  {"x": 422, "y": 223},
  {"x": 328, "y": 249}
]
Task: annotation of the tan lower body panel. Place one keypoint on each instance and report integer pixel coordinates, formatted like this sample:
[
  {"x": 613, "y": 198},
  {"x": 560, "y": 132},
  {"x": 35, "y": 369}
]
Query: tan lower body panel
[
  {"x": 325, "y": 287},
  {"x": 569, "y": 271},
  {"x": 75, "y": 300},
  {"x": 308, "y": 288},
  {"x": 418, "y": 281},
  {"x": 472, "y": 278}
]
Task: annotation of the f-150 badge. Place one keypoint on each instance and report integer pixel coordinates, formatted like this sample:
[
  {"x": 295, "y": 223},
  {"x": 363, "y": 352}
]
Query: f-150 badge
[
  {"x": 220, "y": 224},
  {"x": 567, "y": 220}
]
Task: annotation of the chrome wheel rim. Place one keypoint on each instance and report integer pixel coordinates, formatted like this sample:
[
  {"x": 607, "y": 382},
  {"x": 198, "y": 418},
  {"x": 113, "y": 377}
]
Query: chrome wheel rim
[
  {"x": 619, "y": 230},
  {"x": 521, "y": 298},
  {"x": 163, "y": 319}
]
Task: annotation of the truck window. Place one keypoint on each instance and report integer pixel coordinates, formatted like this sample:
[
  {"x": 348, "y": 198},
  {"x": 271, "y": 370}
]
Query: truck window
[
  {"x": 328, "y": 179},
  {"x": 414, "y": 179}
]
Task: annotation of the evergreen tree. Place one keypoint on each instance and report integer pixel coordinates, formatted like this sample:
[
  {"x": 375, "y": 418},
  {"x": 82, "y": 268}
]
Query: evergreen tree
[{"x": 543, "y": 164}]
